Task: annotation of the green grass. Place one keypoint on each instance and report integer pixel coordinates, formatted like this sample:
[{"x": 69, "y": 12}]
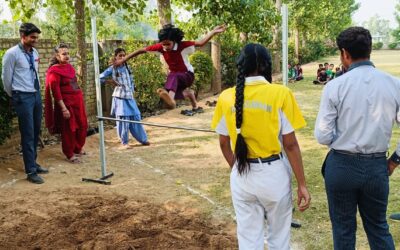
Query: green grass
[{"x": 316, "y": 230}]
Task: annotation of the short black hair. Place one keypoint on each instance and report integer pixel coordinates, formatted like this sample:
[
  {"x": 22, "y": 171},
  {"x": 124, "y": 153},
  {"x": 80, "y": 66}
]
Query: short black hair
[
  {"x": 28, "y": 28},
  {"x": 320, "y": 65},
  {"x": 355, "y": 40},
  {"x": 170, "y": 32},
  {"x": 119, "y": 50}
]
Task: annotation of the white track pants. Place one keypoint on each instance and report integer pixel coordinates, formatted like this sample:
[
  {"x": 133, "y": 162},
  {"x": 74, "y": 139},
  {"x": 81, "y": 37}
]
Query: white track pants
[{"x": 266, "y": 188}]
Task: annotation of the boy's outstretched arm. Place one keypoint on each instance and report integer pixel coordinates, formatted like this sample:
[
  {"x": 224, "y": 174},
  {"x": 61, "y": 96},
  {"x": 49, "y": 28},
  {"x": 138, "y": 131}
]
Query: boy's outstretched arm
[
  {"x": 216, "y": 30},
  {"x": 129, "y": 56}
]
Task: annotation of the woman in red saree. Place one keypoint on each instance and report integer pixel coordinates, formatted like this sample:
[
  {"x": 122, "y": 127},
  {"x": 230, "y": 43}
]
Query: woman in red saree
[{"x": 66, "y": 115}]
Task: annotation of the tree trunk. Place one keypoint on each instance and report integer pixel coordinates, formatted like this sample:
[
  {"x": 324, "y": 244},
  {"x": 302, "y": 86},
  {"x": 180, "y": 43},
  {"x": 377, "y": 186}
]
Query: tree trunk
[
  {"x": 216, "y": 59},
  {"x": 303, "y": 40},
  {"x": 164, "y": 12},
  {"x": 297, "y": 43},
  {"x": 276, "y": 43},
  {"x": 275, "y": 35},
  {"x": 81, "y": 43}
]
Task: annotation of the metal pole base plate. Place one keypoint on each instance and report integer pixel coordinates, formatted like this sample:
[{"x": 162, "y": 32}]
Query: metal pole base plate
[{"x": 101, "y": 180}]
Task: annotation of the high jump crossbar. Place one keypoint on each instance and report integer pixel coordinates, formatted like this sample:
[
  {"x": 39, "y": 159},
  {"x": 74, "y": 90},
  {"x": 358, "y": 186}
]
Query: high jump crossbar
[{"x": 100, "y": 118}]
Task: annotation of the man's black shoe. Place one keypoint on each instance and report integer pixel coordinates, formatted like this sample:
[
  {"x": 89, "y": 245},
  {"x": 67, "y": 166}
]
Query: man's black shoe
[
  {"x": 395, "y": 217},
  {"x": 41, "y": 170},
  {"x": 34, "y": 178},
  {"x": 295, "y": 224}
]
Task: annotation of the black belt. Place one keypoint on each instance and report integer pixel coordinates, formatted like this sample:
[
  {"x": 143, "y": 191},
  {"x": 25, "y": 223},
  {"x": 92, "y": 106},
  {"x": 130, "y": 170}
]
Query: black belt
[
  {"x": 372, "y": 155},
  {"x": 264, "y": 160}
]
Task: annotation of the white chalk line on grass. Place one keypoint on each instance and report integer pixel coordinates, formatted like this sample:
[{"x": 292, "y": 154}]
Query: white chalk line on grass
[{"x": 188, "y": 188}]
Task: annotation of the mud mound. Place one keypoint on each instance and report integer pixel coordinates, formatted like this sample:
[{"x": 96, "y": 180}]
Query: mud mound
[{"x": 91, "y": 221}]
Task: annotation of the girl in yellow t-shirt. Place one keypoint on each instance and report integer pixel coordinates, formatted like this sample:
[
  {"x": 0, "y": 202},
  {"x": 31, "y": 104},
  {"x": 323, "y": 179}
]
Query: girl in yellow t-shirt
[{"x": 252, "y": 117}]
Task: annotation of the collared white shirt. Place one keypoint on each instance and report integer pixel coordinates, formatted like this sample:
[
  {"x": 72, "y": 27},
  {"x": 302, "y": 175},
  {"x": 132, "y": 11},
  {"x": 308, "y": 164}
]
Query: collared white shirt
[
  {"x": 358, "y": 110},
  {"x": 16, "y": 73}
]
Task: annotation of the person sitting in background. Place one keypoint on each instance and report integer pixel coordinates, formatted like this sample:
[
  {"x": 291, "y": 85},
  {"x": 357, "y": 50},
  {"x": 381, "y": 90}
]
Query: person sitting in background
[
  {"x": 320, "y": 67},
  {"x": 326, "y": 66},
  {"x": 340, "y": 71},
  {"x": 330, "y": 72},
  {"x": 299, "y": 72},
  {"x": 337, "y": 70},
  {"x": 291, "y": 73},
  {"x": 322, "y": 77}
]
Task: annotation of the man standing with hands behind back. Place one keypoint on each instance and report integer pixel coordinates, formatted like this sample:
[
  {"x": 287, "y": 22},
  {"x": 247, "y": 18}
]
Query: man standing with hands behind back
[
  {"x": 356, "y": 116},
  {"x": 21, "y": 82}
]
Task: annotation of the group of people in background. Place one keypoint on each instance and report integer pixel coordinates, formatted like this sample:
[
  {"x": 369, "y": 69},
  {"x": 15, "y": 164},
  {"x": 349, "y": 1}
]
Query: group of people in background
[
  {"x": 327, "y": 72},
  {"x": 295, "y": 72}
]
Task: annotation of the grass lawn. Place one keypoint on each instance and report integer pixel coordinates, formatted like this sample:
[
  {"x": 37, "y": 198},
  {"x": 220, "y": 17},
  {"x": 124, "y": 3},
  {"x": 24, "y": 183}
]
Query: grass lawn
[{"x": 316, "y": 230}]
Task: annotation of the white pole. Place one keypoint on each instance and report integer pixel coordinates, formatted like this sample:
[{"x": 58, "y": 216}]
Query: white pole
[
  {"x": 98, "y": 88},
  {"x": 285, "y": 13}
]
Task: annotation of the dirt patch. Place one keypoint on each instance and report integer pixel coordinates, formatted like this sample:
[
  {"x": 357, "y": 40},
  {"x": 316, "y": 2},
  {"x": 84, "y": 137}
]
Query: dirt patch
[{"x": 73, "y": 219}]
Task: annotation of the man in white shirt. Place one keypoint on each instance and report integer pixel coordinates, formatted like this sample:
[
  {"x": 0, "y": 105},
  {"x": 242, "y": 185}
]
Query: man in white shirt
[
  {"x": 21, "y": 82},
  {"x": 356, "y": 116}
]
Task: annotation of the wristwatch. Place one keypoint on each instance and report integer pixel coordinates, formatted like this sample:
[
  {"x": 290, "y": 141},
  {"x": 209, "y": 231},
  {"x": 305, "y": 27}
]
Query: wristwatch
[{"x": 395, "y": 158}]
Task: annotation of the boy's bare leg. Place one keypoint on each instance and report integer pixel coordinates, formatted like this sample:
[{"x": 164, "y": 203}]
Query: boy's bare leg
[
  {"x": 189, "y": 93},
  {"x": 167, "y": 97},
  {"x": 171, "y": 94}
]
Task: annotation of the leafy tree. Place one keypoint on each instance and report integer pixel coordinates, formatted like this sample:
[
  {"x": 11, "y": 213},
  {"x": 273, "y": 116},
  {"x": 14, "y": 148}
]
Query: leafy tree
[
  {"x": 164, "y": 11},
  {"x": 396, "y": 32},
  {"x": 314, "y": 20},
  {"x": 379, "y": 28},
  {"x": 250, "y": 17}
]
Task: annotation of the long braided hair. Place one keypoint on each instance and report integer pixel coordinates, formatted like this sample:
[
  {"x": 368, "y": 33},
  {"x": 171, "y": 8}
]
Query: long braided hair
[{"x": 254, "y": 59}]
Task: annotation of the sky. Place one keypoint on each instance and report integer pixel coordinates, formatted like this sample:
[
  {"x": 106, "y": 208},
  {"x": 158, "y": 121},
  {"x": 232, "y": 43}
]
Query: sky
[{"x": 368, "y": 8}]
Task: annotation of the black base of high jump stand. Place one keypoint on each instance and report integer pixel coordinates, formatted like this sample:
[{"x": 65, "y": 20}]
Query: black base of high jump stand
[{"x": 102, "y": 180}]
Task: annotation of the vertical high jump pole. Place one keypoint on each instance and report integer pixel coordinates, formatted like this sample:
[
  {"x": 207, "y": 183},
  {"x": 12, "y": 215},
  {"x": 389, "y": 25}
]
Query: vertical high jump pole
[
  {"x": 104, "y": 175},
  {"x": 285, "y": 17}
]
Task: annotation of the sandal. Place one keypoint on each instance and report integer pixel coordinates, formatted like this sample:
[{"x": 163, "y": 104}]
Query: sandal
[
  {"x": 187, "y": 112},
  {"x": 166, "y": 98},
  {"x": 211, "y": 104},
  {"x": 198, "y": 110},
  {"x": 74, "y": 160}
]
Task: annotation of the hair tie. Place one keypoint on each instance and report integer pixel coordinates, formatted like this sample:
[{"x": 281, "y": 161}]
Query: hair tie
[{"x": 238, "y": 131}]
